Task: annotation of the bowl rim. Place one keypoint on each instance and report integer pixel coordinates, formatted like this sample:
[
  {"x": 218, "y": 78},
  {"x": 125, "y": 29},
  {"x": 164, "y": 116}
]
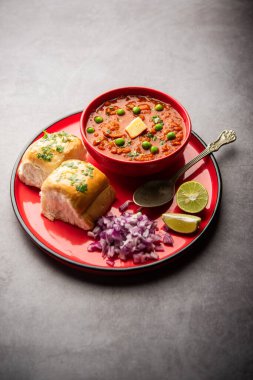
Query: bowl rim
[{"x": 90, "y": 108}]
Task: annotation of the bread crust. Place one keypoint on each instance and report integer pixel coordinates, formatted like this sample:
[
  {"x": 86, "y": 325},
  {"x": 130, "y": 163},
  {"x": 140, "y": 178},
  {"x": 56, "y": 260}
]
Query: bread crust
[
  {"x": 99, "y": 206},
  {"x": 33, "y": 169},
  {"x": 80, "y": 200},
  {"x": 82, "y": 188}
]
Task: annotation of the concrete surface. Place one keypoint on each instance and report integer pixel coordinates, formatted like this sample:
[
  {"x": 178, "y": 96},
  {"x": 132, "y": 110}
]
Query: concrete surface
[{"x": 192, "y": 320}]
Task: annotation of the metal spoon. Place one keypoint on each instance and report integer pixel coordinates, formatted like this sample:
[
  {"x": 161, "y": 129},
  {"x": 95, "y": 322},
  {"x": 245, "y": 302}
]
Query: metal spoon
[{"x": 159, "y": 192}]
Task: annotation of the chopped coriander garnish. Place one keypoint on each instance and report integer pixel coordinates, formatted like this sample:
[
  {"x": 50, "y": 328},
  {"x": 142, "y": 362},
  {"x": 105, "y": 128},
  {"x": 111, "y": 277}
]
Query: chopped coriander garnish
[
  {"x": 73, "y": 179},
  {"x": 65, "y": 137},
  {"x": 151, "y": 136},
  {"x": 45, "y": 136},
  {"x": 133, "y": 154},
  {"x": 156, "y": 119},
  {"x": 82, "y": 188},
  {"x": 46, "y": 154},
  {"x": 90, "y": 170},
  {"x": 63, "y": 133},
  {"x": 59, "y": 148}
]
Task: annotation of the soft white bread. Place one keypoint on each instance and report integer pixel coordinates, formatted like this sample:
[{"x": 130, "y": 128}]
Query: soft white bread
[
  {"x": 46, "y": 154},
  {"x": 77, "y": 193}
]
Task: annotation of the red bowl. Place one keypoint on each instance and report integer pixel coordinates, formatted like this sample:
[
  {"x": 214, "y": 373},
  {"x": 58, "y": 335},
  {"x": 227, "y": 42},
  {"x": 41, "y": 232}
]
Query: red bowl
[{"x": 134, "y": 168}]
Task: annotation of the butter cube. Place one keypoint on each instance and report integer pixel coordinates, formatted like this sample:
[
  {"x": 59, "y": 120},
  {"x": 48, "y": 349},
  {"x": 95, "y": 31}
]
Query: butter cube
[{"x": 136, "y": 127}]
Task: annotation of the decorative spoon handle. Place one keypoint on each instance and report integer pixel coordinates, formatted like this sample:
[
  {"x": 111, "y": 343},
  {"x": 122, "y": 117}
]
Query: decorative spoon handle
[{"x": 226, "y": 137}]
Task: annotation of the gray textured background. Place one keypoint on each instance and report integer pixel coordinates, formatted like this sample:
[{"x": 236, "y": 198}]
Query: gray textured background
[{"x": 192, "y": 320}]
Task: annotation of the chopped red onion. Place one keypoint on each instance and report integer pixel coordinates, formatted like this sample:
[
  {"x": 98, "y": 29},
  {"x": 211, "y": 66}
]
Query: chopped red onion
[
  {"x": 159, "y": 248},
  {"x": 167, "y": 239},
  {"x": 165, "y": 228},
  {"x": 110, "y": 262},
  {"x": 95, "y": 246},
  {"x": 125, "y": 205},
  {"x": 128, "y": 236}
]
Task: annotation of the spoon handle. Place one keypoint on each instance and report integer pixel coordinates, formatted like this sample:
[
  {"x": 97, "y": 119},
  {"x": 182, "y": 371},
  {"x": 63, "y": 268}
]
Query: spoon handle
[{"x": 226, "y": 137}]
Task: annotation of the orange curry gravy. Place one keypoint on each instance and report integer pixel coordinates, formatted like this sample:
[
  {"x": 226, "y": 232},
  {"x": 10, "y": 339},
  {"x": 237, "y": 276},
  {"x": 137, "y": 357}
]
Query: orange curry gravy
[{"x": 105, "y": 134}]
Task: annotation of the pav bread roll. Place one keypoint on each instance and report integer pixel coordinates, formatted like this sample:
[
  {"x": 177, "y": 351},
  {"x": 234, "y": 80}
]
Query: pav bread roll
[
  {"x": 46, "y": 154},
  {"x": 77, "y": 193}
]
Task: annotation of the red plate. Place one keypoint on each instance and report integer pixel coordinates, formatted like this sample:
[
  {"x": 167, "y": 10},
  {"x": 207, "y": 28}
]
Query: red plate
[{"x": 68, "y": 244}]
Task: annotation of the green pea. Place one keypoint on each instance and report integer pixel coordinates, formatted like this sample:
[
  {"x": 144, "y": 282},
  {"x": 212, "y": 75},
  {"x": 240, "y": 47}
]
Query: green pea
[
  {"x": 158, "y": 107},
  {"x": 98, "y": 119},
  {"x": 136, "y": 110},
  {"x": 120, "y": 112},
  {"x": 154, "y": 149},
  {"x": 90, "y": 130},
  {"x": 146, "y": 145},
  {"x": 171, "y": 136},
  {"x": 158, "y": 127},
  {"x": 119, "y": 142}
]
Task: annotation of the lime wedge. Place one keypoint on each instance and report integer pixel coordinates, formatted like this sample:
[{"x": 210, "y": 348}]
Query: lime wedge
[
  {"x": 183, "y": 223},
  {"x": 192, "y": 197}
]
